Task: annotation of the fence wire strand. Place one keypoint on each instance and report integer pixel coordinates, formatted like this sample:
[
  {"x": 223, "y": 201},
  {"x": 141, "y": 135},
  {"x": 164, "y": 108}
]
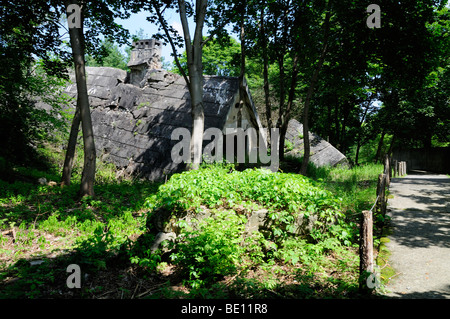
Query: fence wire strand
[{"x": 376, "y": 200}]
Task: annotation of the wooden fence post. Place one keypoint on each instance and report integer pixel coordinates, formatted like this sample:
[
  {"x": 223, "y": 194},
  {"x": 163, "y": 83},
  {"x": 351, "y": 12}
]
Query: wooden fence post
[
  {"x": 402, "y": 168},
  {"x": 387, "y": 170},
  {"x": 395, "y": 168},
  {"x": 381, "y": 193},
  {"x": 366, "y": 265}
]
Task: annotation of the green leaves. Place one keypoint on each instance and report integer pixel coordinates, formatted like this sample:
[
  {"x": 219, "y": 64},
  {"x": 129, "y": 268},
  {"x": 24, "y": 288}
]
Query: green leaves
[
  {"x": 211, "y": 251},
  {"x": 216, "y": 186},
  {"x": 110, "y": 56},
  {"x": 218, "y": 58}
]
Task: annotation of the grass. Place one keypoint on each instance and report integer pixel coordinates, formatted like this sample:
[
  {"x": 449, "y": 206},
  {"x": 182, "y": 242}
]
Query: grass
[{"x": 45, "y": 228}]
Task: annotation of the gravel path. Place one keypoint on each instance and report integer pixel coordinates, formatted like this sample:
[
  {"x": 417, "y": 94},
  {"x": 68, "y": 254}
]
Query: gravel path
[{"x": 420, "y": 242}]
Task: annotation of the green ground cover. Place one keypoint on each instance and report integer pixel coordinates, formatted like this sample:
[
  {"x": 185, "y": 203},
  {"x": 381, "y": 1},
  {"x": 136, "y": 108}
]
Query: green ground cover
[{"x": 44, "y": 228}]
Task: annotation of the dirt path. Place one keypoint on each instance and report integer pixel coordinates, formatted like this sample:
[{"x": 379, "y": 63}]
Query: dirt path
[{"x": 420, "y": 242}]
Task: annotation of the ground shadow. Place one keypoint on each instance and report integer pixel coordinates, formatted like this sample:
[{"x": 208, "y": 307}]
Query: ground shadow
[
  {"x": 421, "y": 220},
  {"x": 433, "y": 294}
]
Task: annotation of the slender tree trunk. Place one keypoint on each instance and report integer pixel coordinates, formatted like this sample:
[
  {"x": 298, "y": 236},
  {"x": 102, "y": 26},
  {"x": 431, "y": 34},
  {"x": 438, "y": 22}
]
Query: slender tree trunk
[
  {"x": 345, "y": 115},
  {"x": 194, "y": 78},
  {"x": 77, "y": 44},
  {"x": 198, "y": 118},
  {"x": 337, "y": 125},
  {"x": 314, "y": 79},
  {"x": 282, "y": 111},
  {"x": 380, "y": 146},
  {"x": 286, "y": 116},
  {"x": 329, "y": 121},
  {"x": 391, "y": 147},
  {"x": 358, "y": 146},
  {"x": 70, "y": 152},
  {"x": 243, "y": 53},
  {"x": 195, "y": 69},
  {"x": 266, "y": 76}
]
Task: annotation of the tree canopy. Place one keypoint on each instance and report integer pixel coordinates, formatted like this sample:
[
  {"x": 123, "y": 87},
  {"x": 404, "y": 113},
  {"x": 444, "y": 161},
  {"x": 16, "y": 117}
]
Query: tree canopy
[{"x": 363, "y": 89}]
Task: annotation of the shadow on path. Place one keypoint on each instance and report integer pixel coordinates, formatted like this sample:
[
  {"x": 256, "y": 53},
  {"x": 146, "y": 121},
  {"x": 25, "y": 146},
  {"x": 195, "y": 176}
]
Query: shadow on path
[{"x": 420, "y": 242}]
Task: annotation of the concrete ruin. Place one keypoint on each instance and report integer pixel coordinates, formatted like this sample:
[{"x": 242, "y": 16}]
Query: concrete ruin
[
  {"x": 322, "y": 153},
  {"x": 134, "y": 114},
  {"x": 145, "y": 55}
]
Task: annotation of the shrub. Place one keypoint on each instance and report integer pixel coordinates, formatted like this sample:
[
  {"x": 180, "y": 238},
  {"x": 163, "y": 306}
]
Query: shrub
[
  {"x": 212, "y": 251},
  {"x": 221, "y": 186}
]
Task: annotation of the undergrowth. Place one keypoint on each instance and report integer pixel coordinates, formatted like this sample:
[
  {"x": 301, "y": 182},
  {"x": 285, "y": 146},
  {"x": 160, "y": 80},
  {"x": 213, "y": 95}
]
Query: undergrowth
[
  {"x": 219, "y": 248},
  {"x": 50, "y": 225}
]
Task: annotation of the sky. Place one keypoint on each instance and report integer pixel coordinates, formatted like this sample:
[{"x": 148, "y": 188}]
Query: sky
[{"x": 138, "y": 21}]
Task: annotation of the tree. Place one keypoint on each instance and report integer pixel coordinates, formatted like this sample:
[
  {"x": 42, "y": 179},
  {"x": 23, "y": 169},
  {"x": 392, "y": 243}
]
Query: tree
[
  {"x": 312, "y": 86},
  {"x": 343, "y": 99},
  {"x": 78, "y": 52},
  {"x": 84, "y": 12},
  {"x": 219, "y": 58},
  {"x": 31, "y": 63},
  {"x": 289, "y": 32},
  {"x": 112, "y": 56},
  {"x": 390, "y": 65},
  {"x": 194, "y": 49}
]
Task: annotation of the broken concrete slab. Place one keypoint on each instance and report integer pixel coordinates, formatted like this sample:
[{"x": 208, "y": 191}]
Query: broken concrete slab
[{"x": 322, "y": 152}]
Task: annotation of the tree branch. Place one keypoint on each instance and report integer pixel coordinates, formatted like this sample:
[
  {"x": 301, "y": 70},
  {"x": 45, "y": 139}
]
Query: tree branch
[
  {"x": 172, "y": 44},
  {"x": 215, "y": 31},
  {"x": 200, "y": 12},
  {"x": 185, "y": 25}
]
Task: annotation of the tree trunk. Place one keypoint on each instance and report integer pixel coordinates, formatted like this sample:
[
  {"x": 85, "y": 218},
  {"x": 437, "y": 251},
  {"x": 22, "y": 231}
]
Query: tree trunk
[
  {"x": 71, "y": 146},
  {"x": 358, "y": 147},
  {"x": 358, "y": 144},
  {"x": 329, "y": 121},
  {"x": 391, "y": 147},
  {"x": 266, "y": 77},
  {"x": 287, "y": 113},
  {"x": 337, "y": 122},
  {"x": 366, "y": 264},
  {"x": 198, "y": 118},
  {"x": 380, "y": 145},
  {"x": 282, "y": 112},
  {"x": 314, "y": 79},
  {"x": 281, "y": 52},
  {"x": 77, "y": 44},
  {"x": 195, "y": 69}
]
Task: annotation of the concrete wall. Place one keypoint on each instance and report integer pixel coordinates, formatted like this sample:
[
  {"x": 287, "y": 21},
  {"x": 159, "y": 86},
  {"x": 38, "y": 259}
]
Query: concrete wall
[{"x": 434, "y": 160}]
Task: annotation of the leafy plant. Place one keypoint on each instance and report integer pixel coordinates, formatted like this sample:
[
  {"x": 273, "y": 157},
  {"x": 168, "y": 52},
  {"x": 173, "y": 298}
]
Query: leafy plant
[
  {"x": 211, "y": 251},
  {"x": 285, "y": 195}
]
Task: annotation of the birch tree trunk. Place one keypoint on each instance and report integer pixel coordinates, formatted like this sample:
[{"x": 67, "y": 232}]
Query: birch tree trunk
[
  {"x": 77, "y": 44},
  {"x": 266, "y": 76},
  {"x": 195, "y": 69}
]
